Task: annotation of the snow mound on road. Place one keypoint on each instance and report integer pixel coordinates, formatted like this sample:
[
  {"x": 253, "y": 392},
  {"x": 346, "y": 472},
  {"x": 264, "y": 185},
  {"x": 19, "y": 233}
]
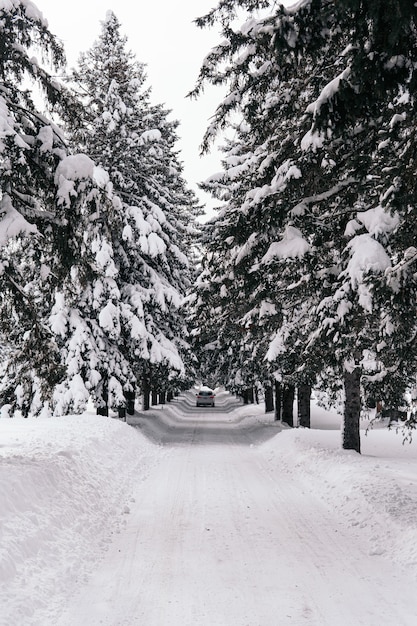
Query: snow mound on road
[
  {"x": 65, "y": 486},
  {"x": 374, "y": 492}
]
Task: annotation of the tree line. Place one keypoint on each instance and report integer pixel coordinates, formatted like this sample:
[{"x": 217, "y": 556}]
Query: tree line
[{"x": 309, "y": 272}]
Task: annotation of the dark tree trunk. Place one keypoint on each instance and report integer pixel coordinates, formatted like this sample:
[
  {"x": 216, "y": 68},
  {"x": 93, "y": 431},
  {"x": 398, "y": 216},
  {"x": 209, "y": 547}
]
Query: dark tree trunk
[
  {"x": 278, "y": 400},
  {"x": 122, "y": 413},
  {"x": 154, "y": 397},
  {"x": 256, "y": 394},
  {"x": 170, "y": 396},
  {"x": 162, "y": 397},
  {"x": 269, "y": 399},
  {"x": 288, "y": 404},
  {"x": 104, "y": 408},
  {"x": 250, "y": 395},
  {"x": 352, "y": 412},
  {"x": 130, "y": 402},
  {"x": 146, "y": 391},
  {"x": 303, "y": 404},
  {"x": 245, "y": 396}
]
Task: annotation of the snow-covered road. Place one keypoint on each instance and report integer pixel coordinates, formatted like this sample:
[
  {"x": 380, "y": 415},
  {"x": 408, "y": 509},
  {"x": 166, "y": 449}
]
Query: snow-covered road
[{"x": 216, "y": 538}]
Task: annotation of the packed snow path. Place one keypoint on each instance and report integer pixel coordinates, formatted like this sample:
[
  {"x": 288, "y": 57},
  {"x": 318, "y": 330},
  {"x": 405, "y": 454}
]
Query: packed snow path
[{"x": 216, "y": 539}]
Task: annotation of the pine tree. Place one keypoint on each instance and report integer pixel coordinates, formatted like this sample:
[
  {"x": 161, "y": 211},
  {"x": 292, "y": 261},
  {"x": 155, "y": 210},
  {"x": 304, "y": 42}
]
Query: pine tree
[
  {"x": 87, "y": 309},
  {"x": 321, "y": 180},
  {"x": 60, "y": 304},
  {"x": 31, "y": 147},
  {"x": 135, "y": 143}
]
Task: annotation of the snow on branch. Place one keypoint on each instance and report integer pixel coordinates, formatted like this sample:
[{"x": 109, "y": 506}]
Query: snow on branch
[
  {"x": 74, "y": 168},
  {"x": 286, "y": 172},
  {"x": 150, "y": 135},
  {"x": 410, "y": 257},
  {"x": 314, "y": 139},
  {"x": 302, "y": 206},
  {"x": 378, "y": 221},
  {"x": 29, "y": 8},
  {"x": 12, "y": 223},
  {"x": 367, "y": 255},
  {"x": 292, "y": 245},
  {"x": 328, "y": 93}
]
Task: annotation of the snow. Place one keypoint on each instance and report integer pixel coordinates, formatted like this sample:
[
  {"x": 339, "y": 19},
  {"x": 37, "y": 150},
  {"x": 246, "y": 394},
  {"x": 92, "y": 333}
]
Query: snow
[
  {"x": 205, "y": 517},
  {"x": 73, "y": 168},
  {"x": 30, "y": 9},
  {"x": 312, "y": 139},
  {"x": 286, "y": 172},
  {"x": 292, "y": 245},
  {"x": 109, "y": 320},
  {"x": 397, "y": 118},
  {"x": 12, "y": 223},
  {"x": 276, "y": 347},
  {"x": 151, "y": 135},
  {"x": 378, "y": 221},
  {"x": 63, "y": 489},
  {"x": 328, "y": 92},
  {"x": 366, "y": 255}
]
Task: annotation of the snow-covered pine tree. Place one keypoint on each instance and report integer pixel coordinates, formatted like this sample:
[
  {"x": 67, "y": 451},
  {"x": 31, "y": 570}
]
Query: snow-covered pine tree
[
  {"x": 227, "y": 321},
  {"x": 318, "y": 85},
  {"x": 59, "y": 305},
  {"x": 250, "y": 221},
  {"x": 87, "y": 311},
  {"x": 135, "y": 143},
  {"x": 31, "y": 147}
]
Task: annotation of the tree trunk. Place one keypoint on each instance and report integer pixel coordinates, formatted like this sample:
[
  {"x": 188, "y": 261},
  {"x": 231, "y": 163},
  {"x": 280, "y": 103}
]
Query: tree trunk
[
  {"x": 288, "y": 404},
  {"x": 269, "y": 399},
  {"x": 130, "y": 402},
  {"x": 250, "y": 395},
  {"x": 162, "y": 397},
  {"x": 352, "y": 411},
  {"x": 303, "y": 404},
  {"x": 245, "y": 396},
  {"x": 170, "y": 396},
  {"x": 278, "y": 400},
  {"x": 146, "y": 390},
  {"x": 104, "y": 408},
  {"x": 154, "y": 397}
]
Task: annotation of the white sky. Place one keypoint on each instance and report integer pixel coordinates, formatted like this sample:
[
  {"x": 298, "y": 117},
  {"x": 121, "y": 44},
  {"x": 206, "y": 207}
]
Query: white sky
[{"x": 162, "y": 35}]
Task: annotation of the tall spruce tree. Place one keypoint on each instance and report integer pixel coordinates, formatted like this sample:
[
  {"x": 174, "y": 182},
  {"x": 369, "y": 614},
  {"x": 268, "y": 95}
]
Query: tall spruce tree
[
  {"x": 31, "y": 148},
  {"x": 134, "y": 141},
  {"x": 319, "y": 175},
  {"x": 60, "y": 297},
  {"x": 87, "y": 309}
]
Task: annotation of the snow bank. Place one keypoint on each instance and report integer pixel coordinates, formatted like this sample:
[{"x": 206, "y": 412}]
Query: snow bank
[
  {"x": 65, "y": 489},
  {"x": 375, "y": 492}
]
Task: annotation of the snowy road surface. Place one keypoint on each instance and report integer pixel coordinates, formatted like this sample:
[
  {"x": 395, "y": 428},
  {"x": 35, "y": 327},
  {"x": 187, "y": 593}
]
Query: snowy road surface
[{"x": 214, "y": 538}]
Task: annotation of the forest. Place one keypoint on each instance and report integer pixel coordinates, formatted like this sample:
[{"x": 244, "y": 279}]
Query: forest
[{"x": 111, "y": 288}]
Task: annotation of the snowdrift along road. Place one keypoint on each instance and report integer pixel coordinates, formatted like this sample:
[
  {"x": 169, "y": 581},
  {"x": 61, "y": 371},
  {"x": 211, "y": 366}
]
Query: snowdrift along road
[{"x": 204, "y": 517}]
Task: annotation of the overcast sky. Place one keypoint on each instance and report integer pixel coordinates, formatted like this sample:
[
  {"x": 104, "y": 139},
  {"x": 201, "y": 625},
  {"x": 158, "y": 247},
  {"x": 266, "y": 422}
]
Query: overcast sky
[{"x": 162, "y": 35}]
